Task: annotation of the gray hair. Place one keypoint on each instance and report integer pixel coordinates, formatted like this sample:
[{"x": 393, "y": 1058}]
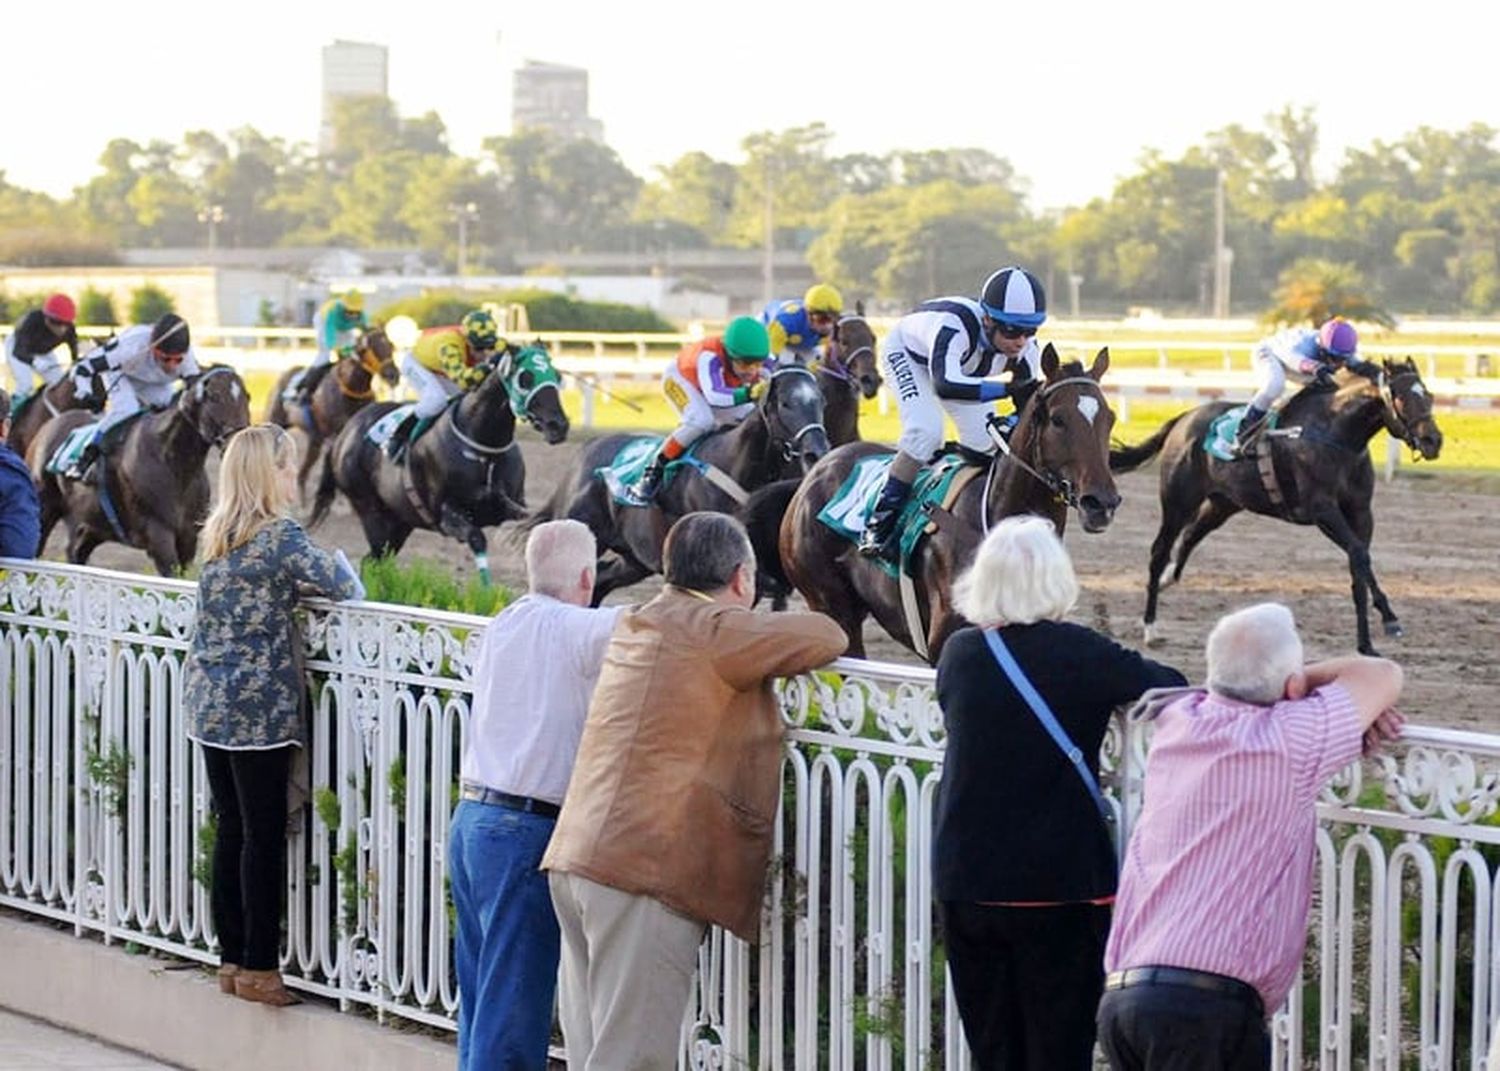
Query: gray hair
[
  {"x": 4, "y": 405},
  {"x": 1020, "y": 574},
  {"x": 556, "y": 553},
  {"x": 1252, "y": 652},
  {"x": 704, "y": 549}
]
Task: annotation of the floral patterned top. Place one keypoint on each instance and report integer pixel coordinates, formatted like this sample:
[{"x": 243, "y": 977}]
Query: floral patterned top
[{"x": 242, "y": 686}]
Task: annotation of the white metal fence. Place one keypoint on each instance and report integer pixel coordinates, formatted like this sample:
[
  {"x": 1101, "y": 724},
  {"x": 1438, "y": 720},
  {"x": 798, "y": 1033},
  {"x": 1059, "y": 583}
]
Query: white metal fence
[{"x": 104, "y": 812}]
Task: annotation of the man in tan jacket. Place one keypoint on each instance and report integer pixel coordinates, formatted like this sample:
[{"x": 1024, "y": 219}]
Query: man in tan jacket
[{"x": 667, "y": 824}]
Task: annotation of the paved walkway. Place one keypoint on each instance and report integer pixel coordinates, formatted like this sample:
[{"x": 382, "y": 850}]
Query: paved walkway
[{"x": 29, "y": 1045}]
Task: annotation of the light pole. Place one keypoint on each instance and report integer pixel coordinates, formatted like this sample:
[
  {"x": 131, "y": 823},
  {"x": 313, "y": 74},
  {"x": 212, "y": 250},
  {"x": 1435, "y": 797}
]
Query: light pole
[
  {"x": 465, "y": 213},
  {"x": 213, "y": 215},
  {"x": 768, "y": 252}
]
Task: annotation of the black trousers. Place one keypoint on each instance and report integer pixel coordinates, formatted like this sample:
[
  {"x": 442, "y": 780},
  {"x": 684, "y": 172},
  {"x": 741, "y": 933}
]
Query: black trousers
[
  {"x": 249, "y": 871},
  {"x": 1027, "y": 981},
  {"x": 1178, "y": 1028}
]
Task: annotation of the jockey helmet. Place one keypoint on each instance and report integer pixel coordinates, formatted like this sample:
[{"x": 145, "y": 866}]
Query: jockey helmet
[
  {"x": 353, "y": 301},
  {"x": 1338, "y": 337},
  {"x": 746, "y": 339},
  {"x": 821, "y": 297},
  {"x": 1014, "y": 297},
  {"x": 60, "y": 307},
  {"x": 169, "y": 335},
  {"x": 481, "y": 330}
]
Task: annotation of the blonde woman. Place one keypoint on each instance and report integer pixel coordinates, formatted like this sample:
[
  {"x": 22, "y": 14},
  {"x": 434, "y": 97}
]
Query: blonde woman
[
  {"x": 1023, "y": 866},
  {"x": 242, "y": 692}
]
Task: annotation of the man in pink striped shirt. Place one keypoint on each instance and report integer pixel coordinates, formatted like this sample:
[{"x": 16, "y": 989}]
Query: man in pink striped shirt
[{"x": 1211, "y": 915}]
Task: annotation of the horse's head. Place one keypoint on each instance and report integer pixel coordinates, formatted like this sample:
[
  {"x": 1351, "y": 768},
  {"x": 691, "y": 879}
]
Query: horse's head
[
  {"x": 1064, "y": 435},
  {"x": 534, "y": 388},
  {"x": 851, "y": 352},
  {"x": 377, "y": 353},
  {"x": 793, "y": 411},
  {"x": 216, "y": 403},
  {"x": 1408, "y": 408}
]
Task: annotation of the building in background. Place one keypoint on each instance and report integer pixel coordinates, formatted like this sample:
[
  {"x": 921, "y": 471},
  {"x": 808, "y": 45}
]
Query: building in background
[
  {"x": 350, "y": 69},
  {"x": 554, "y": 98}
]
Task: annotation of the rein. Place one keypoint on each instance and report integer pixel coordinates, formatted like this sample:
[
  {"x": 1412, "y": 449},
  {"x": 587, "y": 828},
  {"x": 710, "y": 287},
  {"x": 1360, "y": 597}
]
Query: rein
[
  {"x": 1060, "y": 486},
  {"x": 836, "y": 364},
  {"x": 197, "y": 392},
  {"x": 789, "y": 445},
  {"x": 1397, "y": 422}
]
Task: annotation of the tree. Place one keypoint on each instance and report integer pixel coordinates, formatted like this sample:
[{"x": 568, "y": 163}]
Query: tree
[
  {"x": 694, "y": 190},
  {"x": 794, "y": 166},
  {"x": 149, "y": 303},
  {"x": 1312, "y": 290}
]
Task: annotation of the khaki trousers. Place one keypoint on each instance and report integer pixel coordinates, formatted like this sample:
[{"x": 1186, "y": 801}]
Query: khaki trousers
[{"x": 625, "y": 977}]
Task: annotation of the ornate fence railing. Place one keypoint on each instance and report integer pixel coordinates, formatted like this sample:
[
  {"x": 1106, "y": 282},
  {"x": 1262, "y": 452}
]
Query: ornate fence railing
[{"x": 105, "y": 825}]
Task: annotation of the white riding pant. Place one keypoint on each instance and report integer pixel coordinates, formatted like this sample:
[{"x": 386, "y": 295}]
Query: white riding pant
[
  {"x": 341, "y": 338},
  {"x": 433, "y": 388},
  {"x": 23, "y": 376},
  {"x": 696, "y": 418},
  {"x": 127, "y": 396},
  {"x": 922, "y": 411},
  {"x": 1273, "y": 376}
]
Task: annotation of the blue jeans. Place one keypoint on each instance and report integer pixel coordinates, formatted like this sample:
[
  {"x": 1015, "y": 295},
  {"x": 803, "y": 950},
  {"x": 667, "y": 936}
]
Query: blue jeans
[{"x": 506, "y": 948}]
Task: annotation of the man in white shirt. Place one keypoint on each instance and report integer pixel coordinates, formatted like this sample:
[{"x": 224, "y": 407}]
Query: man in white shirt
[{"x": 533, "y": 678}]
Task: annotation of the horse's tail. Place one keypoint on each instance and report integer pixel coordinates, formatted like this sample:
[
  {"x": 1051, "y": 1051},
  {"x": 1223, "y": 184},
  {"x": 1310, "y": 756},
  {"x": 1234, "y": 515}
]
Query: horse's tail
[
  {"x": 328, "y": 487},
  {"x": 1130, "y": 458},
  {"x": 762, "y": 513}
]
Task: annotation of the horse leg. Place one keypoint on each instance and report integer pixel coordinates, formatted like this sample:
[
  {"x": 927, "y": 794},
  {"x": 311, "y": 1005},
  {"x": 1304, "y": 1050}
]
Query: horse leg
[
  {"x": 618, "y": 571},
  {"x": 1332, "y": 523},
  {"x": 1363, "y": 523},
  {"x": 1181, "y": 494},
  {"x": 1211, "y": 515},
  {"x": 161, "y": 548},
  {"x": 385, "y": 535},
  {"x": 82, "y": 541},
  {"x": 454, "y": 522},
  {"x": 309, "y": 456}
]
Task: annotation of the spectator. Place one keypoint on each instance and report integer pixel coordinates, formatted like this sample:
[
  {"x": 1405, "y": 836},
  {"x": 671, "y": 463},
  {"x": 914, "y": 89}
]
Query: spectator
[
  {"x": 1212, "y": 913},
  {"x": 20, "y": 511},
  {"x": 1023, "y": 861},
  {"x": 243, "y": 691},
  {"x": 536, "y": 669},
  {"x": 668, "y": 820}
]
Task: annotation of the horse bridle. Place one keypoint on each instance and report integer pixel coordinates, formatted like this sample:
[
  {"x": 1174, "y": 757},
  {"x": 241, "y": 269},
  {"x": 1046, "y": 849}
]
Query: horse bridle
[
  {"x": 1397, "y": 423},
  {"x": 1059, "y": 485},
  {"x": 520, "y": 405},
  {"x": 197, "y": 391},
  {"x": 370, "y": 362},
  {"x": 836, "y": 363},
  {"x": 789, "y": 445}
]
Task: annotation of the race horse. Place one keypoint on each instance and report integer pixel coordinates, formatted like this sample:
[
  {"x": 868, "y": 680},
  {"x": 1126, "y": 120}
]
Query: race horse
[
  {"x": 1057, "y": 459},
  {"x": 1313, "y": 469},
  {"x": 41, "y": 407},
  {"x": 784, "y": 434},
  {"x": 150, "y": 486},
  {"x": 345, "y": 390},
  {"x": 848, "y": 372},
  {"x": 463, "y": 475}
]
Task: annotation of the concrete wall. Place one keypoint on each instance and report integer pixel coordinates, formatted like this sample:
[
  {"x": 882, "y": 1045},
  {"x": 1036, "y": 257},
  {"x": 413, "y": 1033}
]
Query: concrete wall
[{"x": 210, "y": 297}]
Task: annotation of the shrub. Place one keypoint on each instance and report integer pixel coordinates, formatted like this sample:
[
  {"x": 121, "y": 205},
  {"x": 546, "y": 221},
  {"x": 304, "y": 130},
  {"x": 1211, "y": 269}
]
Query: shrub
[
  {"x": 96, "y": 308},
  {"x": 432, "y": 586},
  {"x": 149, "y": 303},
  {"x": 546, "y": 311}
]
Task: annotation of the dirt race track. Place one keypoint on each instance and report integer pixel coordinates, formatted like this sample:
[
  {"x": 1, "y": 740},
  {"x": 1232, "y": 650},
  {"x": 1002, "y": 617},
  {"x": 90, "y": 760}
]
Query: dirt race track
[{"x": 1436, "y": 553}]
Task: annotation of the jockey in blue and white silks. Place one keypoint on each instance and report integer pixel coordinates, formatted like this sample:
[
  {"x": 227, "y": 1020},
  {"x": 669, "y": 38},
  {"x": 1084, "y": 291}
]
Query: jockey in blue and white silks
[
  {"x": 1309, "y": 356},
  {"x": 798, "y": 329}
]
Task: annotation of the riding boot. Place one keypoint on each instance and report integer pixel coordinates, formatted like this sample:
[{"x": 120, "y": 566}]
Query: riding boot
[
  {"x": 395, "y": 446},
  {"x": 1249, "y": 427},
  {"x": 882, "y": 537},
  {"x": 83, "y": 468},
  {"x": 649, "y": 484}
]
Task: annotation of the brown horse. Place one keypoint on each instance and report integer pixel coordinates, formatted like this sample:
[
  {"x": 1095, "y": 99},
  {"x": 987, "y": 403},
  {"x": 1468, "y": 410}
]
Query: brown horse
[
  {"x": 1058, "y": 459},
  {"x": 345, "y": 391},
  {"x": 150, "y": 489},
  {"x": 40, "y": 408},
  {"x": 848, "y": 372},
  {"x": 1322, "y": 475}
]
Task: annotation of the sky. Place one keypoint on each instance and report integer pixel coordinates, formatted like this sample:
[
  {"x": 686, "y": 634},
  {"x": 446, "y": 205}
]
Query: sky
[{"x": 1072, "y": 92}]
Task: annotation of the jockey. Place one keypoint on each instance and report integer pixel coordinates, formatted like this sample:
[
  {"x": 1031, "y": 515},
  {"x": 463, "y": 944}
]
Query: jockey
[
  {"x": 1310, "y": 356},
  {"x": 336, "y": 326},
  {"x": 29, "y": 349},
  {"x": 444, "y": 362},
  {"x": 141, "y": 364},
  {"x": 938, "y": 359},
  {"x": 799, "y": 328},
  {"x": 714, "y": 381}
]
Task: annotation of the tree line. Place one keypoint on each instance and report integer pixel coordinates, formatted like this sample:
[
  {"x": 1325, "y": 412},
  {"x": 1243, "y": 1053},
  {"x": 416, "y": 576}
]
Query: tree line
[{"x": 1410, "y": 224}]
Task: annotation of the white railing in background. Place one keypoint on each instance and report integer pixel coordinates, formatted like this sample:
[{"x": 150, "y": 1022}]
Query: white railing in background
[{"x": 103, "y": 807}]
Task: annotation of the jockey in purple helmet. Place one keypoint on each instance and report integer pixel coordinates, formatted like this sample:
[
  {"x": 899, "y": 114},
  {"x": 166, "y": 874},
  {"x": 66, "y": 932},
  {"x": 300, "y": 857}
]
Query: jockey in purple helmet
[{"x": 1309, "y": 356}]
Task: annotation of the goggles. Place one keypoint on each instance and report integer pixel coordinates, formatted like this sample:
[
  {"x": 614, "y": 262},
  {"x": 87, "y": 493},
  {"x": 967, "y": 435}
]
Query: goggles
[{"x": 1013, "y": 331}]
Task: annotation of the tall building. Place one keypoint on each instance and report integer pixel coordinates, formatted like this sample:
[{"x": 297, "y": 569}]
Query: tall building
[
  {"x": 350, "y": 69},
  {"x": 555, "y": 98}
]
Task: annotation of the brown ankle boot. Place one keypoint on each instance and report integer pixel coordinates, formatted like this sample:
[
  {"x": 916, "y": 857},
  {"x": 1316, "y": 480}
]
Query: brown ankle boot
[
  {"x": 263, "y": 987},
  {"x": 227, "y": 973}
]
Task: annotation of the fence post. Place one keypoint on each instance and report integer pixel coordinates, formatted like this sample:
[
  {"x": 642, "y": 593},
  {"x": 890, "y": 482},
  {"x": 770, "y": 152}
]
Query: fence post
[
  {"x": 587, "y": 387},
  {"x": 1392, "y": 457}
]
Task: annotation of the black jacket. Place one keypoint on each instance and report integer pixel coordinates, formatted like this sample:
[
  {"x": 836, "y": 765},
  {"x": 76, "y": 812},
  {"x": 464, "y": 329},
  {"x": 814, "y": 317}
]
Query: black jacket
[
  {"x": 33, "y": 338},
  {"x": 1014, "y": 821}
]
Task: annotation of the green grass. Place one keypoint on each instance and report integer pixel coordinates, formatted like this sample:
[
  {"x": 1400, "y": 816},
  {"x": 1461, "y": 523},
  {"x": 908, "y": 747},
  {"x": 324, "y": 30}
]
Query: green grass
[{"x": 417, "y": 582}]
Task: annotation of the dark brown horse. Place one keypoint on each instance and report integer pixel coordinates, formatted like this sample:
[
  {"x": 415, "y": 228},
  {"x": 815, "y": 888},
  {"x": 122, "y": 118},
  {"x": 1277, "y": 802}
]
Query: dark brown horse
[
  {"x": 849, "y": 372},
  {"x": 784, "y": 434},
  {"x": 1059, "y": 460},
  {"x": 39, "y": 409},
  {"x": 464, "y": 474},
  {"x": 348, "y": 388},
  {"x": 1322, "y": 476},
  {"x": 150, "y": 488}
]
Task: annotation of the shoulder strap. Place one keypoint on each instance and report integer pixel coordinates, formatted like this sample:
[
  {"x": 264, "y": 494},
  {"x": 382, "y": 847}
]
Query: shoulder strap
[{"x": 1043, "y": 712}]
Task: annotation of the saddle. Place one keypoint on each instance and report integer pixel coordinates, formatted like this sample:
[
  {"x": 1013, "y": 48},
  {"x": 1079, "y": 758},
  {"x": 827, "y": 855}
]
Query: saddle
[
  {"x": 68, "y": 451},
  {"x": 622, "y": 474}
]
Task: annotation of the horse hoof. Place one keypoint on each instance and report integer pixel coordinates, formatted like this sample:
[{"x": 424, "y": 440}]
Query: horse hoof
[
  {"x": 1168, "y": 582},
  {"x": 1152, "y": 634},
  {"x": 1393, "y": 628}
]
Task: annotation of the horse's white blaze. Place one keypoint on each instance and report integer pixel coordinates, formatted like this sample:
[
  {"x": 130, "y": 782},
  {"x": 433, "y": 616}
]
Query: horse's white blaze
[
  {"x": 1418, "y": 389},
  {"x": 1088, "y": 405}
]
